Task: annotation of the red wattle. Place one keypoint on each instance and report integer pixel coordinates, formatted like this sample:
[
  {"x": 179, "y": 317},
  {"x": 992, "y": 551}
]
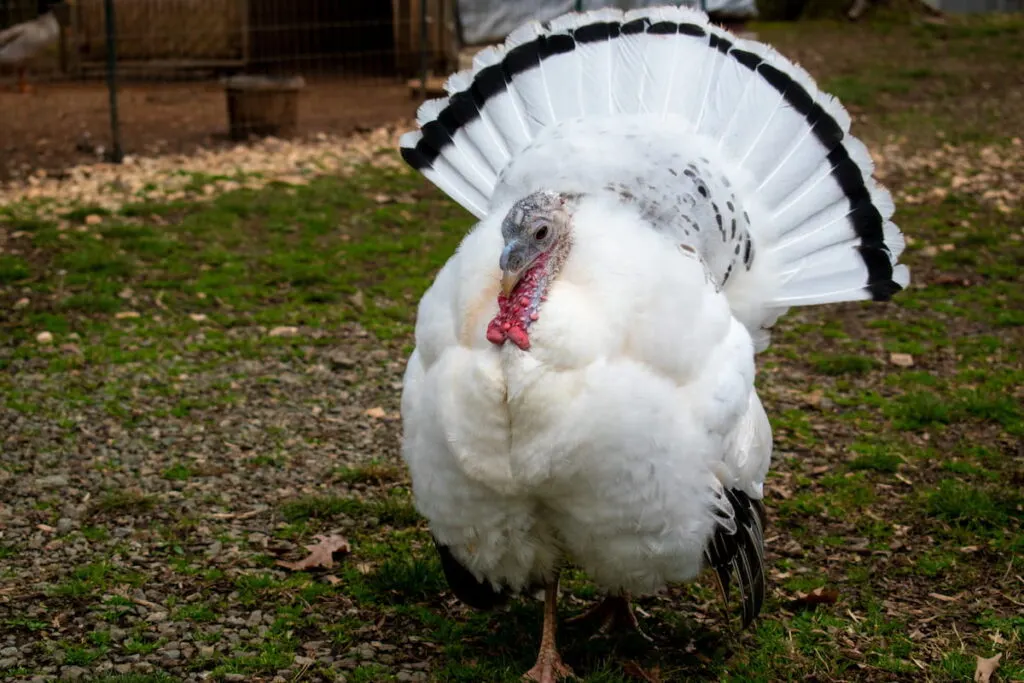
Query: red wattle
[
  {"x": 495, "y": 334},
  {"x": 514, "y": 316},
  {"x": 519, "y": 337}
]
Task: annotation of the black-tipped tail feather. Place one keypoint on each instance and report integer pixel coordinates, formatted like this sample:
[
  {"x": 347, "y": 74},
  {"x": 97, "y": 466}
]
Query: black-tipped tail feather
[
  {"x": 584, "y": 65},
  {"x": 741, "y": 554}
]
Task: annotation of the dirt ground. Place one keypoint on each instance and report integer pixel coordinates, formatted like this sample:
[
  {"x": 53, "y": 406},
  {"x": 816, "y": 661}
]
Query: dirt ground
[{"x": 63, "y": 124}]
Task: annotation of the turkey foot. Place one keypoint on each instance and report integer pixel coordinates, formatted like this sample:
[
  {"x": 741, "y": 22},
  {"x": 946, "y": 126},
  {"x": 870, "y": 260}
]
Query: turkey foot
[
  {"x": 549, "y": 667},
  {"x": 614, "y": 613}
]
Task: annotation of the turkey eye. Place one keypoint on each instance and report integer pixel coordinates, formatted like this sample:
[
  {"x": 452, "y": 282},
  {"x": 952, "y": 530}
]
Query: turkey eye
[{"x": 541, "y": 234}]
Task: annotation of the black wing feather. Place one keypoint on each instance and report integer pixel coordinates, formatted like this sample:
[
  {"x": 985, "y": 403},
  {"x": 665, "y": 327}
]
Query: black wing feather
[
  {"x": 741, "y": 553},
  {"x": 477, "y": 594}
]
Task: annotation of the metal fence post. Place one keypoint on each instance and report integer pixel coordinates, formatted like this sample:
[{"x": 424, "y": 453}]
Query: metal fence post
[
  {"x": 423, "y": 49},
  {"x": 116, "y": 153}
]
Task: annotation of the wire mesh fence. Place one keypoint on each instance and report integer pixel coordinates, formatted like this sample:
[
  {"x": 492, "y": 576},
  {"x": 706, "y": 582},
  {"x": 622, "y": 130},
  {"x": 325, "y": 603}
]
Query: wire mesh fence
[
  {"x": 169, "y": 62},
  {"x": 157, "y": 76}
]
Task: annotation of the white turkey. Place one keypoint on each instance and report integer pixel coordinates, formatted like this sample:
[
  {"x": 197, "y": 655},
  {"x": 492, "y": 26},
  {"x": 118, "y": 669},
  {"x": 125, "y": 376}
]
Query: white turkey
[{"x": 653, "y": 193}]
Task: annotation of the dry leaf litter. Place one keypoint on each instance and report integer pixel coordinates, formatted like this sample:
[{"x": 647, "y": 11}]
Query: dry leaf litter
[
  {"x": 993, "y": 174},
  {"x": 174, "y": 177}
]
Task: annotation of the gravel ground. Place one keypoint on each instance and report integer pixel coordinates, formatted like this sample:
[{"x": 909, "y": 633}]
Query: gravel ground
[{"x": 203, "y": 488}]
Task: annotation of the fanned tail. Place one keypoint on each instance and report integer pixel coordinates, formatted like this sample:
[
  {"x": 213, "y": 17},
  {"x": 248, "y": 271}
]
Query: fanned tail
[{"x": 819, "y": 223}]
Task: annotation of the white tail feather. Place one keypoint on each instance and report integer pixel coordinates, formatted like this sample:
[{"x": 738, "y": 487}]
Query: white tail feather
[{"x": 820, "y": 225}]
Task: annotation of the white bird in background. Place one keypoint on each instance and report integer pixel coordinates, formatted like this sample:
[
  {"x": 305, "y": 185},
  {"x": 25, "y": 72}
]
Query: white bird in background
[
  {"x": 653, "y": 193},
  {"x": 23, "y": 42}
]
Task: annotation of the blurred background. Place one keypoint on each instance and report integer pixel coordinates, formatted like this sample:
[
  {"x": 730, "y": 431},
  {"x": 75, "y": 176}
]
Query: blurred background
[{"x": 360, "y": 64}]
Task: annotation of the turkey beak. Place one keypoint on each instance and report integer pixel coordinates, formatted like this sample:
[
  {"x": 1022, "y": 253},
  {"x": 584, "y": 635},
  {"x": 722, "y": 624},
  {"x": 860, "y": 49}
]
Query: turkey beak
[
  {"x": 508, "y": 282},
  {"x": 511, "y": 267}
]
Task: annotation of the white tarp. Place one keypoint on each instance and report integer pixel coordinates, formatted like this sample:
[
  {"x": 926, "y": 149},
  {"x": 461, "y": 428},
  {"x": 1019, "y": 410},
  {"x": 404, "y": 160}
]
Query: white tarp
[{"x": 489, "y": 21}]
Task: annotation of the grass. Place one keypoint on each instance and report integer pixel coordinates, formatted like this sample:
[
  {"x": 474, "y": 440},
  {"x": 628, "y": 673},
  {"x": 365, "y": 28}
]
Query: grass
[{"x": 210, "y": 448}]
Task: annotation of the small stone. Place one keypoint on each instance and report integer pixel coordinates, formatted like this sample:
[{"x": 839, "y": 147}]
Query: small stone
[
  {"x": 157, "y": 617},
  {"x": 303, "y": 661},
  {"x": 284, "y": 331},
  {"x": 93, "y": 219},
  {"x": 64, "y": 525},
  {"x": 903, "y": 360},
  {"x": 340, "y": 360},
  {"x": 44, "y": 337},
  {"x": 254, "y": 618},
  {"x": 197, "y": 317},
  {"x": 72, "y": 673},
  {"x": 234, "y": 677},
  {"x": 11, "y": 651},
  {"x": 172, "y": 654},
  {"x": 8, "y": 663},
  {"x": 21, "y": 303},
  {"x": 54, "y": 481}
]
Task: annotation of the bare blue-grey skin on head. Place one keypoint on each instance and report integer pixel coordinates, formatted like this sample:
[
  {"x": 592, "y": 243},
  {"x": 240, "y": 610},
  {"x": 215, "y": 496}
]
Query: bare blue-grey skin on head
[{"x": 533, "y": 226}]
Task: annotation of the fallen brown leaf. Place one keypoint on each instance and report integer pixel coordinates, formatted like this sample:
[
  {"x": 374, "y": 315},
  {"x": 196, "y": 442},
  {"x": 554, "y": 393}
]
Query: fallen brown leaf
[
  {"x": 818, "y": 596},
  {"x": 320, "y": 555},
  {"x": 947, "y": 279},
  {"x": 985, "y": 667}
]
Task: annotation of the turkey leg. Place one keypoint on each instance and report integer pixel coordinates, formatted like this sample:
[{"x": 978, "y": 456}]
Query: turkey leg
[
  {"x": 614, "y": 612},
  {"x": 549, "y": 667}
]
